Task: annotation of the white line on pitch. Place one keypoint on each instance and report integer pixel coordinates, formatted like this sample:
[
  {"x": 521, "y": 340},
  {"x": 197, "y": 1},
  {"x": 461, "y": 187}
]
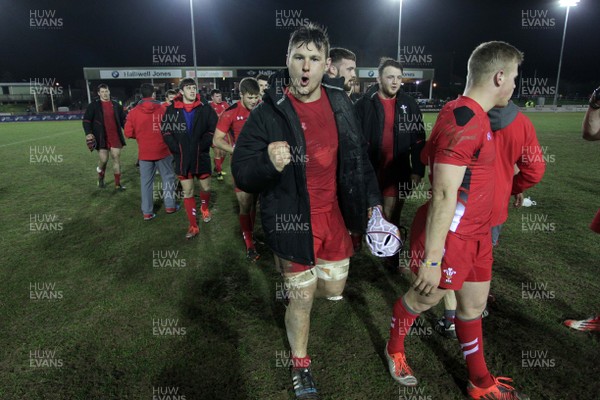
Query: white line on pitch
[{"x": 40, "y": 138}]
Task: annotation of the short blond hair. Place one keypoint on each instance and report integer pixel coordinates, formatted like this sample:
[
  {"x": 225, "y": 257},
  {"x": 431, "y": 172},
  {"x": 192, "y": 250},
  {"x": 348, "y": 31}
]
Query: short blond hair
[{"x": 490, "y": 57}]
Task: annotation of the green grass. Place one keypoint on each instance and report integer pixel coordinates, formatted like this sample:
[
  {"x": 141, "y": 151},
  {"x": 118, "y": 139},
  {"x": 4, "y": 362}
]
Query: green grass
[
  {"x": 13, "y": 108},
  {"x": 101, "y": 261}
]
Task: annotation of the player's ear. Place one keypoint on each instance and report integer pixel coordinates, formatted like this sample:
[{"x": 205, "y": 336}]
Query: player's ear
[
  {"x": 331, "y": 70},
  {"x": 328, "y": 65},
  {"x": 499, "y": 77}
]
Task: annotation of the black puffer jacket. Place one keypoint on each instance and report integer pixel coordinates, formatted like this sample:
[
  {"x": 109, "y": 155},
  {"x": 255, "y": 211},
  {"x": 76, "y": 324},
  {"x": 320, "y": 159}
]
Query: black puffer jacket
[
  {"x": 93, "y": 122},
  {"x": 409, "y": 131},
  {"x": 191, "y": 153},
  {"x": 284, "y": 195}
]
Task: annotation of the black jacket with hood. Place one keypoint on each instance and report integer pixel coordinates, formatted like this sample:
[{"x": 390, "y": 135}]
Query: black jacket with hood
[
  {"x": 284, "y": 195},
  {"x": 190, "y": 152},
  {"x": 409, "y": 131},
  {"x": 93, "y": 122}
]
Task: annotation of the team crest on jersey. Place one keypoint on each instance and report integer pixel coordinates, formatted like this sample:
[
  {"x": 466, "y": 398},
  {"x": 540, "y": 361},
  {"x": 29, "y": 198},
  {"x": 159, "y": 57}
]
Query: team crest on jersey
[
  {"x": 489, "y": 136},
  {"x": 403, "y": 107},
  {"x": 303, "y": 126},
  {"x": 240, "y": 118},
  {"x": 449, "y": 272}
]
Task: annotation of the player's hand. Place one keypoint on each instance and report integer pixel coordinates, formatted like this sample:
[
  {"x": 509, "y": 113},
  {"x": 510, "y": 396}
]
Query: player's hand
[
  {"x": 518, "y": 200},
  {"x": 279, "y": 154},
  {"x": 370, "y": 211},
  {"x": 427, "y": 280},
  {"x": 90, "y": 141}
]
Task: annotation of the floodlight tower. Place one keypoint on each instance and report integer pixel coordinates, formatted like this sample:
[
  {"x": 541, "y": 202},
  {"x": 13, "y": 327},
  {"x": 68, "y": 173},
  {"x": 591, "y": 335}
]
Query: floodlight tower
[{"x": 568, "y": 4}]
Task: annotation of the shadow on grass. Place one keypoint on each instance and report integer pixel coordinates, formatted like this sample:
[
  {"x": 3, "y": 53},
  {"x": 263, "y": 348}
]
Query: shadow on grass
[{"x": 206, "y": 365}]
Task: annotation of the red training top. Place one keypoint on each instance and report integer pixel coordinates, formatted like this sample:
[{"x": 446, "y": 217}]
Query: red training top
[
  {"x": 233, "y": 119},
  {"x": 143, "y": 124},
  {"x": 462, "y": 136},
  {"x": 515, "y": 144},
  {"x": 321, "y": 137}
]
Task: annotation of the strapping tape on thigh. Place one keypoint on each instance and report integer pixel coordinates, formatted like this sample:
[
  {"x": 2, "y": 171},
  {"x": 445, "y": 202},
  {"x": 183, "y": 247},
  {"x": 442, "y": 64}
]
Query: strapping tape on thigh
[
  {"x": 333, "y": 270},
  {"x": 300, "y": 280}
]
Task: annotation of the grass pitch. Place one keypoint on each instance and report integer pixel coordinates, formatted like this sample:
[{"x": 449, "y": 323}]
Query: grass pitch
[{"x": 98, "y": 304}]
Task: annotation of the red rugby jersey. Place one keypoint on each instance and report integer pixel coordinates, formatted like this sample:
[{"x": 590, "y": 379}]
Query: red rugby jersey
[
  {"x": 219, "y": 108},
  {"x": 321, "y": 137},
  {"x": 462, "y": 136},
  {"x": 233, "y": 119},
  {"x": 387, "y": 141}
]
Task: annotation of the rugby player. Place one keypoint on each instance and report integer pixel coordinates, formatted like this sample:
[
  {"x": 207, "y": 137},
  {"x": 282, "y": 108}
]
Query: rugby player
[
  {"x": 187, "y": 128},
  {"x": 302, "y": 151},
  {"x": 169, "y": 96},
  {"x": 516, "y": 145},
  {"x": 219, "y": 106},
  {"x": 232, "y": 120},
  {"x": 103, "y": 123},
  {"x": 451, "y": 234},
  {"x": 263, "y": 83},
  {"x": 343, "y": 64},
  {"x": 393, "y": 126}
]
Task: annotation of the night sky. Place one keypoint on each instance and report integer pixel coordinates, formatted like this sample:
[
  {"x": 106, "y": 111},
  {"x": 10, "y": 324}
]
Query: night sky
[{"x": 112, "y": 33}]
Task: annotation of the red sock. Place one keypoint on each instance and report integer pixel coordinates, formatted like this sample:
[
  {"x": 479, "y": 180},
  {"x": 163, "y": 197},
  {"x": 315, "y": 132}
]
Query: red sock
[
  {"x": 470, "y": 336},
  {"x": 117, "y": 179},
  {"x": 204, "y": 199},
  {"x": 402, "y": 320},
  {"x": 301, "y": 362},
  {"x": 101, "y": 173},
  {"x": 218, "y": 164},
  {"x": 246, "y": 225},
  {"x": 190, "y": 208},
  {"x": 252, "y": 219},
  {"x": 356, "y": 240}
]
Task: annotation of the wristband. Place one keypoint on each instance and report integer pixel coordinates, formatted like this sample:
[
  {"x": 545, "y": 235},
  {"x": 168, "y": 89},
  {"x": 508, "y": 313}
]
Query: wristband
[{"x": 428, "y": 263}]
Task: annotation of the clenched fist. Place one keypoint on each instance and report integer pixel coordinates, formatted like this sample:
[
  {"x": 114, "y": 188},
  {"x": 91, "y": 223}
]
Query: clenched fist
[{"x": 279, "y": 154}]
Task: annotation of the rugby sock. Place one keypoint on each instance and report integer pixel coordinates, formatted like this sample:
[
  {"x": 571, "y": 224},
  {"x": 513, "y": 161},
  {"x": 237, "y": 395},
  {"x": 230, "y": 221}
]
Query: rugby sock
[
  {"x": 246, "y": 225},
  {"x": 595, "y": 225},
  {"x": 252, "y": 219},
  {"x": 190, "y": 208},
  {"x": 101, "y": 173},
  {"x": 402, "y": 320},
  {"x": 356, "y": 240},
  {"x": 449, "y": 316},
  {"x": 470, "y": 336},
  {"x": 204, "y": 200},
  {"x": 218, "y": 164},
  {"x": 301, "y": 362},
  {"x": 117, "y": 179}
]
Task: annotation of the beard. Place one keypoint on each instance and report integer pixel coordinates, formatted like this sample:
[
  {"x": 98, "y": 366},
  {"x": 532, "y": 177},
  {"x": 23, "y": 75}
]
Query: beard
[{"x": 388, "y": 91}]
